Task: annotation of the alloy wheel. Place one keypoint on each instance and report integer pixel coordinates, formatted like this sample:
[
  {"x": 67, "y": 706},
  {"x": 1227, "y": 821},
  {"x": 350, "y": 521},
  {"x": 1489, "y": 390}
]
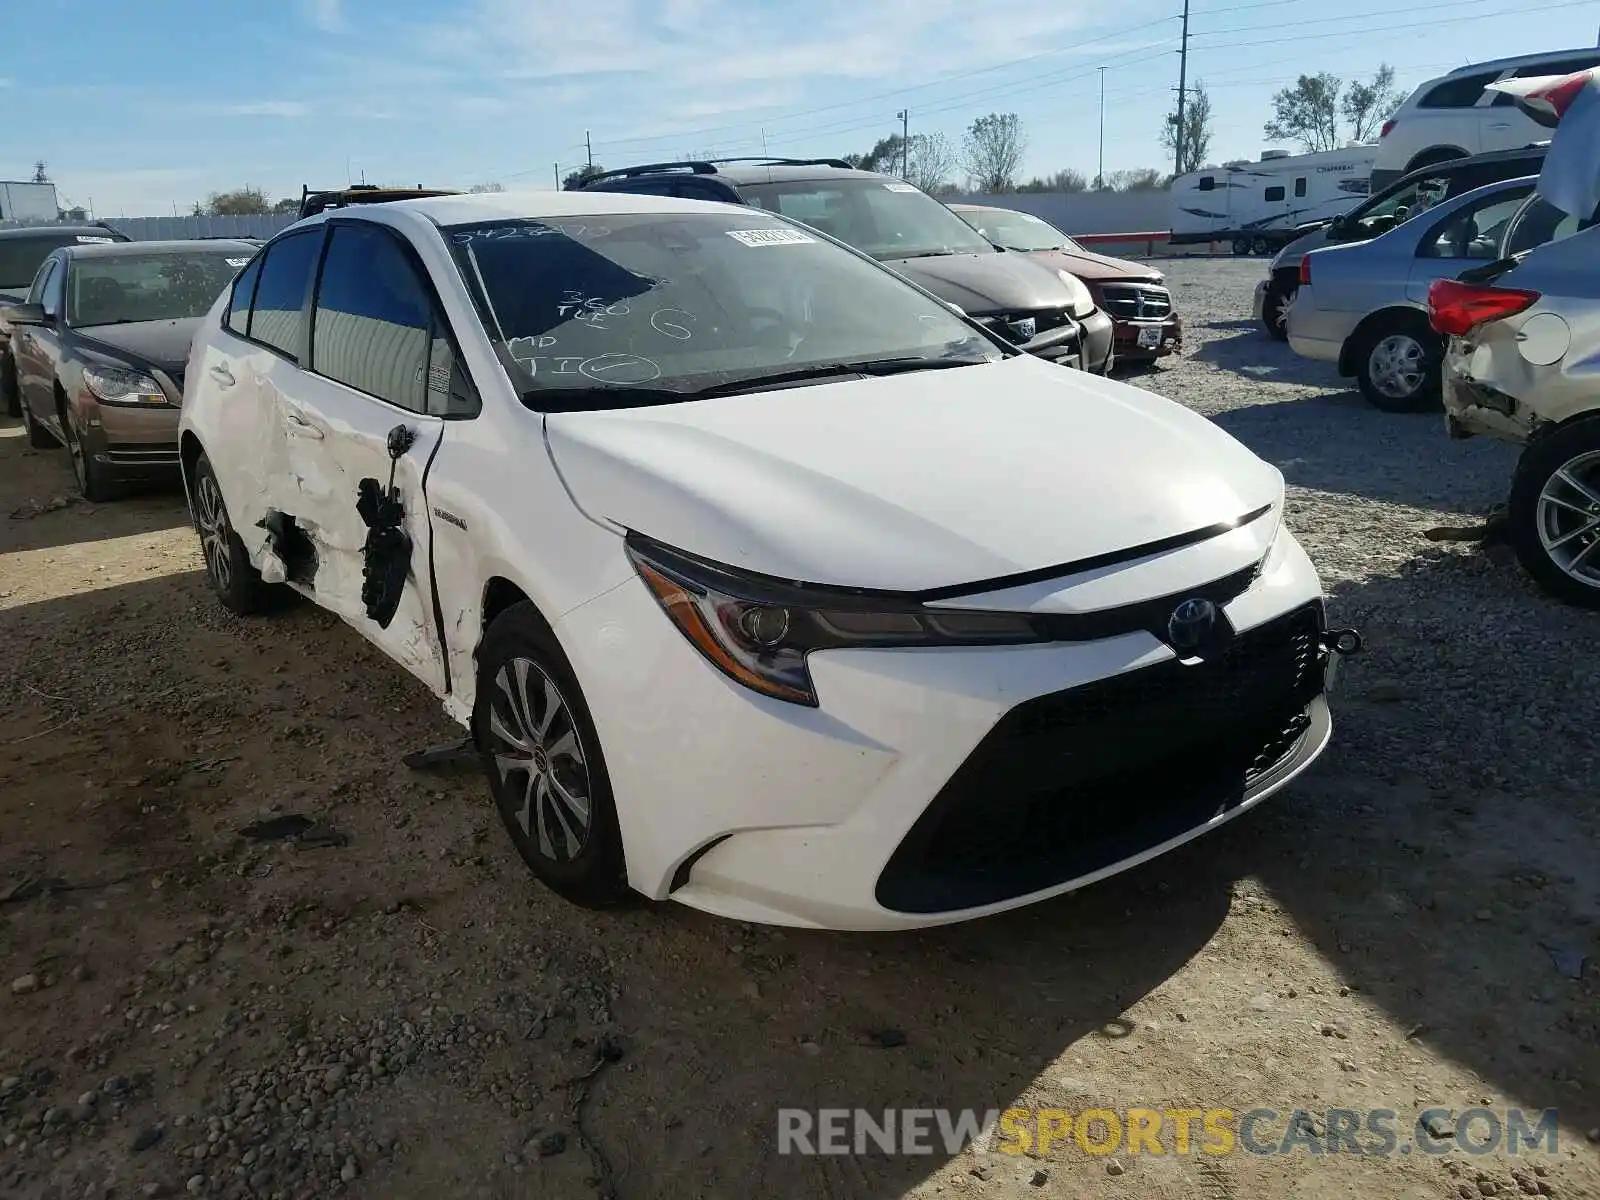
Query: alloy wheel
[
  {"x": 1398, "y": 366},
  {"x": 538, "y": 753},
  {"x": 215, "y": 533},
  {"x": 1568, "y": 518},
  {"x": 1281, "y": 303}
]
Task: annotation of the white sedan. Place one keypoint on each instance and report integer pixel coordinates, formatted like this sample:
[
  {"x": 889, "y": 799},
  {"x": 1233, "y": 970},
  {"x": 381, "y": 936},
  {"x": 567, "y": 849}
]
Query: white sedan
[{"x": 762, "y": 579}]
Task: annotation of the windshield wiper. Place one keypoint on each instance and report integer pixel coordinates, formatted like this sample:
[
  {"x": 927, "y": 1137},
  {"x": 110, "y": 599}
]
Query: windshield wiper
[
  {"x": 870, "y": 366},
  {"x": 927, "y": 254}
]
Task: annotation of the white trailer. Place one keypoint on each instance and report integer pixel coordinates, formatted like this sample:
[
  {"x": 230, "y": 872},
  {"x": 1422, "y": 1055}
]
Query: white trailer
[
  {"x": 1258, "y": 206},
  {"x": 27, "y": 201}
]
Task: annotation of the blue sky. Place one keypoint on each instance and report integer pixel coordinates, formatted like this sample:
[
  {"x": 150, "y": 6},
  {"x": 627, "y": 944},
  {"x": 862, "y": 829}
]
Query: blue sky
[{"x": 140, "y": 105}]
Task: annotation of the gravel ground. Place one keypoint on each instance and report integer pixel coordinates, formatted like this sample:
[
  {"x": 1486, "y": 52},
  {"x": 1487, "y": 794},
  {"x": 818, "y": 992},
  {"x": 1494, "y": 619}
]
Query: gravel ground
[{"x": 381, "y": 1003}]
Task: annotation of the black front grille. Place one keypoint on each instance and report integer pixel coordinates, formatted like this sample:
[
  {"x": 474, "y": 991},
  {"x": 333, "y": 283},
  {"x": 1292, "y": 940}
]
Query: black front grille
[
  {"x": 1044, "y": 321},
  {"x": 1070, "y": 783},
  {"x": 1136, "y": 301}
]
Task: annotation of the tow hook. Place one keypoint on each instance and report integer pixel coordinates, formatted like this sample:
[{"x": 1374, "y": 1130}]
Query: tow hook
[{"x": 1342, "y": 641}]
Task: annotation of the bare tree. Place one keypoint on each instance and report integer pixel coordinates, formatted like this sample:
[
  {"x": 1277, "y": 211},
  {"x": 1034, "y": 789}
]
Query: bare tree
[
  {"x": 1066, "y": 180},
  {"x": 1308, "y": 112},
  {"x": 1195, "y": 142},
  {"x": 930, "y": 162},
  {"x": 992, "y": 152},
  {"x": 1143, "y": 179},
  {"x": 1366, "y": 106}
]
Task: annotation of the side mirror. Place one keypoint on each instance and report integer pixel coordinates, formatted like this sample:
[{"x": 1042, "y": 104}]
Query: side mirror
[
  {"x": 1337, "y": 226},
  {"x": 24, "y": 314}
]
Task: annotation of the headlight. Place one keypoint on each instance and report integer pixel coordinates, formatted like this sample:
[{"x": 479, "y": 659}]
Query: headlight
[
  {"x": 758, "y": 630},
  {"x": 119, "y": 385},
  {"x": 1082, "y": 301}
]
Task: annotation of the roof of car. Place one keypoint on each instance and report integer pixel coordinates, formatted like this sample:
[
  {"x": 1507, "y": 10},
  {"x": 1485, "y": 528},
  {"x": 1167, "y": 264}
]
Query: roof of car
[
  {"x": 123, "y": 249},
  {"x": 740, "y": 171},
  {"x": 28, "y": 231},
  {"x": 467, "y": 208},
  {"x": 1497, "y": 64}
]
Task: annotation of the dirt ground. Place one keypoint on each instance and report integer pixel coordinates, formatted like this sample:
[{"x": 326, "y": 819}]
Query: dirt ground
[{"x": 387, "y": 1005}]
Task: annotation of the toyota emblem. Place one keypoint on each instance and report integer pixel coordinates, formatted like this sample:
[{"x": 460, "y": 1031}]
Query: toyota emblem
[
  {"x": 1024, "y": 328},
  {"x": 1191, "y": 624}
]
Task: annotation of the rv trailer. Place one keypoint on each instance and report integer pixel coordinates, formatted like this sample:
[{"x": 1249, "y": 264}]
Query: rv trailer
[{"x": 1262, "y": 206}]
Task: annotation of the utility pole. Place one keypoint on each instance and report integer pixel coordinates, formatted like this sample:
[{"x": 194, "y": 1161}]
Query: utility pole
[
  {"x": 1100, "y": 175},
  {"x": 905, "y": 141},
  {"x": 589, "y": 146},
  {"x": 556, "y": 170},
  {"x": 1183, "y": 80}
]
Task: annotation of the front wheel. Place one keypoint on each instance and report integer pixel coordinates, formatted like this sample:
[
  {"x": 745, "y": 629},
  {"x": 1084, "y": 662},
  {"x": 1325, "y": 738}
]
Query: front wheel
[
  {"x": 1398, "y": 368},
  {"x": 236, "y": 583},
  {"x": 91, "y": 476},
  {"x": 1241, "y": 246},
  {"x": 39, "y": 437},
  {"x": 1275, "y": 307},
  {"x": 1555, "y": 513},
  {"x": 10, "y": 394},
  {"x": 542, "y": 755}
]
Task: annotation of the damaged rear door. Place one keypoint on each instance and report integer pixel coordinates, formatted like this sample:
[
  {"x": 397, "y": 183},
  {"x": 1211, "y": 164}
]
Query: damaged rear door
[{"x": 364, "y": 423}]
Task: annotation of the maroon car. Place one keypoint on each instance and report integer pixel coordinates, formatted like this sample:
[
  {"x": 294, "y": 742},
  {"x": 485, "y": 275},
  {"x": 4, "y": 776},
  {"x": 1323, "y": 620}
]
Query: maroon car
[{"x": 1135, "y": 296}]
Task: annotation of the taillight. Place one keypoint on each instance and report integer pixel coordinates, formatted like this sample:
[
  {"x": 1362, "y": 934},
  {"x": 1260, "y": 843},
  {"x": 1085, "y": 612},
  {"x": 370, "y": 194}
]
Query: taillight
[
  {"x": 1305, "y": 270},
  {"x": 1457, "y": 308},
  {"x": 1387, "y": 127}
]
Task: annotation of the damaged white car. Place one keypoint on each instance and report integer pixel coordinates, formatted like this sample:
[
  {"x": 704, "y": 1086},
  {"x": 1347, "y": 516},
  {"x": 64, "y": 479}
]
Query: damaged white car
[{"x": 761, "y": 579}]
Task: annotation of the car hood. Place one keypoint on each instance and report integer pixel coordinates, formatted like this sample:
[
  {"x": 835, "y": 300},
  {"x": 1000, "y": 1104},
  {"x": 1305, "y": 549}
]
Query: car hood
[
  {"x": 1094, "y": 268},
  {"x": 925, "y": 480},
  {"x": 1291, "y": 254},
  {"x": 986, "y": 283},
  {"x": 161, "y": 344}
]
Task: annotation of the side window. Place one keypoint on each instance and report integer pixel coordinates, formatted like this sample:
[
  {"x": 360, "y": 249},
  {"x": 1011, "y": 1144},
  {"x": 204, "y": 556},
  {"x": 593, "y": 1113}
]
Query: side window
[
  {"x": 244, "y": 289},
  {"x": 1475, "y": 233},
  {"x": 55, "y": 289},
  {"x": 277, "y": 316},
  {"x": 373, "y": 320},
  {"x": 1207, "y": 183},
  {"x": 1274, "y": 193},
  {"x": 42, "y": 280},
  {"x": 1462, "y": 92},
  {"x": 1300, "y": 186}
]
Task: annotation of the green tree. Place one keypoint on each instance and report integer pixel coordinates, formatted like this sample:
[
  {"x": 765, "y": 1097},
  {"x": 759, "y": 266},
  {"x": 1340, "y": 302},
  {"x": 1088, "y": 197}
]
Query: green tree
[
  {"x": 1195, "y": 142},
  {"x": 241, "y": 202},
  {"x": 1309, "y": 111},
  {"x": 576, "y": 179},
  {"x": 1366, "y": 106}
]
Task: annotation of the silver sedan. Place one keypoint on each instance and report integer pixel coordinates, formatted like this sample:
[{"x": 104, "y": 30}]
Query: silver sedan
[
  {"x": 1523, "y": 365},
  {"x": 1364, "y": 305}
]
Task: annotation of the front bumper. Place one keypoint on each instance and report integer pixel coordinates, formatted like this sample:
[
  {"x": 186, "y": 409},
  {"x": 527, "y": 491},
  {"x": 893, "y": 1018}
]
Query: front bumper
[
  {"x": 1133, "y": 338},
  {"x": 937, "y": 785},
  {"x": 131, "y": 442},
  {"x": 1100, "y": 344}
]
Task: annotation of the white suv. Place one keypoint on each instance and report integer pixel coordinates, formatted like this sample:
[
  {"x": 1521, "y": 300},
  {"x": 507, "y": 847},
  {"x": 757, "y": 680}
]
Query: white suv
[
  {"x": 1453, "y": 117},
  {"x": 762, "y": 579}
]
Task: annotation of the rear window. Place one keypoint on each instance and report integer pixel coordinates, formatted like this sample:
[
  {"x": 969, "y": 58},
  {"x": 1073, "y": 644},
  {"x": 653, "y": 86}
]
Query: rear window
[
  {"x": 20, "y": 257},
  {"x": 1461, "y": 92}
]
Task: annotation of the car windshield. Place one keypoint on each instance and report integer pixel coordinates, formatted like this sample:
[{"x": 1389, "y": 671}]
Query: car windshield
[
  {"x": 1016, "y": 230},
  {"x": 882, "y": 217},
  {"x": 20, "y": 257},
  {"x": 607, "y": 310},
  {"x": 158, "y": 286}
]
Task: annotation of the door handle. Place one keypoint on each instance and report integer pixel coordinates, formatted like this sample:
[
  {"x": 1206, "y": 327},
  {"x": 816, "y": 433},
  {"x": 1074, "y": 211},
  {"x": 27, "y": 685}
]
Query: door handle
[
  {"x": 222, "y": 375},
  {"x": 300, "y": 427}
]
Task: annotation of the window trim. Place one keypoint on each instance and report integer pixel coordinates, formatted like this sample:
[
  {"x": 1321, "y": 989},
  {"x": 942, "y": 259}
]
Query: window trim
[
  {"x": 438, "y": 325},
  {"x": 1300, "y": 187},
  {"x": 1268, "y": 198},
  {"x": 318, "y": 231},
  {"x": 256, "y": 260},
  {"x": 45, "y": 274}
]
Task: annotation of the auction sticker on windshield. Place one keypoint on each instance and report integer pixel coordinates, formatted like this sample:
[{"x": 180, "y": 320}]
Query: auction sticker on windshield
[
  {"x": 899, "y": 187},
  {"x": 83, "y": 237},
  {"x": 770, "y": 237}
]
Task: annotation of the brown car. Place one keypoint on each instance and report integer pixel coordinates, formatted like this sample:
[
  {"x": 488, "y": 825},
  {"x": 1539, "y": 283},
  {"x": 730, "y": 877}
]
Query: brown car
[
  {"x": 99, "y": 348},
  {"x": 1135, "y": 296}
]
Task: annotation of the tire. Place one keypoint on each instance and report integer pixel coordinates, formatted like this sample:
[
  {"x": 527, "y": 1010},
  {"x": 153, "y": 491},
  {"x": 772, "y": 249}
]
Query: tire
[
  {"x": 236, "y": 583},
  {"x": 96, "y": 486},
  {"x": 1258, "y": 246},
  {"x": 39, "y": 437},
  {"x": 1275, "y": 310},
  {"x": 10, "y": 394},
  {"x": 1545, "y": 512},
  {"x": 542, "y": 779},
  {"x": 1241, "y": 246},
  {"x": 1397, "y": 366}
]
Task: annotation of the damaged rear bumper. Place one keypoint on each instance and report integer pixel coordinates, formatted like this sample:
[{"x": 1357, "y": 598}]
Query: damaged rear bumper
[{"x": 1473, "y": 407}]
